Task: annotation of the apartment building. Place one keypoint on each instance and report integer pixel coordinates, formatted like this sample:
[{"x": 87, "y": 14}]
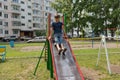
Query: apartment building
[
  {"x": 23, "y": 17},
  {"x": 48, "y": 9}
]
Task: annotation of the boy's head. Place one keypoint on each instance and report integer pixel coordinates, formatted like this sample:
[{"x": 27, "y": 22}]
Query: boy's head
[{"x": 57, "y": 18}]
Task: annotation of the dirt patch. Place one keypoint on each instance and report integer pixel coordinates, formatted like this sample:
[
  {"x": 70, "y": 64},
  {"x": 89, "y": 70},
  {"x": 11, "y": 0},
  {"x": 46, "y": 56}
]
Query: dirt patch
[
  {"x": 21, "y": 75},
  {"x": 95, "y": 46},
  {"x": 75, "y": 47},
  {"x": 31, "y": 48},
  {"x": 91, "y": 74},
  {"x": 115, "y": 69}
]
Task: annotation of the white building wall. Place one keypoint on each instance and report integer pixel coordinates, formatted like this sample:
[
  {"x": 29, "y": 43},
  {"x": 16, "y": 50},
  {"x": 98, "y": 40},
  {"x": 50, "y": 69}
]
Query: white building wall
[{"x": 26, "y": 20}]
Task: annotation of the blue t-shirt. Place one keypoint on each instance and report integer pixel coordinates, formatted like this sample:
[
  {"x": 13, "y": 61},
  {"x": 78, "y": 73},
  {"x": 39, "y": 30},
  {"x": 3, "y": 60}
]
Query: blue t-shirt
[{"x": 57, "y": 27}]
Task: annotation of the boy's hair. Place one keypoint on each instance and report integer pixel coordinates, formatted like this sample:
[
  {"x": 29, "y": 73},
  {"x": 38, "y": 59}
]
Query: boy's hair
[{"x": 57, "y": 16}]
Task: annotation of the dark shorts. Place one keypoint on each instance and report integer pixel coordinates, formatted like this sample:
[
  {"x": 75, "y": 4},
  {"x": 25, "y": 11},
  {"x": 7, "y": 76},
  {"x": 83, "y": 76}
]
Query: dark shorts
[{"x": 58, "y": 38}]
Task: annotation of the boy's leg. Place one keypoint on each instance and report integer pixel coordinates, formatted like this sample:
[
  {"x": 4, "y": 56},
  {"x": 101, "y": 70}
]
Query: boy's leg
[
  {"x": 57, "y": 43},
  {"x": 62, "y": 46},
  {"x": 58, "y": 47}
]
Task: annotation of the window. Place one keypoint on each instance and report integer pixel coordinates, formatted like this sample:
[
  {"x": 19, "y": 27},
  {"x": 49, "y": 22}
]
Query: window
[
  {"x": 0, "y": 22},
  {"x": 6, "y": 32},
  {"x": 45, "y": 14},
  {"x": 35, "y": 5},
  {"x": 41, "y": 7},
  {"x": 15, "y": 31},
  {"x": 22, "y": 2},
  {"x": 23, "y": 17},
  {"x": 36, "y": 12},
  {"x": 36, "y": 19},
  {"x": 29, "y": 0},
  {"x": 0, "y": 5},
  {"x": 36, "y": 25},
  {"x": 22, "y": 9},
  {"x": 16, "y": 23},
  {"x": 30, "y": 27},
  {"x": 29, "y": 6},
  {"x": 29, "y": 20},
  {"x": 46, "y": 8},
  {"x": 1, "y": 31},
  {"x": 16, "y": 16},
  {"x": 5, "y": 15},
  {"x": 6, "y": 24},
  {"x": 23, "y": 24},
  {"x": 5, "y": 0},
  {"x": 16, "y": 1},
  {"x": 15, "y": 7},
  {"x": 6, "y": 7},
  {"x": 0, "y": 13},
  {"x": 41, "y": 20},
  {"x": 29, "y": 13}
]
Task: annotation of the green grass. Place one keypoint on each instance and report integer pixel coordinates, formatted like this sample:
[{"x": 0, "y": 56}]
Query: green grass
[
  {"x": 88, "y": 57},
  {"x": 17, "y": 50},
  {"x": 23, "y": 68}
]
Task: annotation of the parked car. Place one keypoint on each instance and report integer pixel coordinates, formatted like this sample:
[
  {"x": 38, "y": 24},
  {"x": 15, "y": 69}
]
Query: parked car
[
  {"x": 25, "y": 38},
  {"x": 8, "y": 38},
  {"x": 117, "y": 37},
  {"x": 109, "y": 37},
  {"x": 37, "y": 39}
]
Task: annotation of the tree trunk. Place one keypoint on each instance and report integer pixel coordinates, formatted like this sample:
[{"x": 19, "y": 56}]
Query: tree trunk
[
  {"x": 78, "y": 29},
  {"x": 112, "y": 33},
  {"x": 72, "y": 31}
]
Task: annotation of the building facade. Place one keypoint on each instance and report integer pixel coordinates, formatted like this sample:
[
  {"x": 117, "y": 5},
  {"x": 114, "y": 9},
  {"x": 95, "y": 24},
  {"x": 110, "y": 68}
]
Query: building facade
[{"x": 23, "y": 17}]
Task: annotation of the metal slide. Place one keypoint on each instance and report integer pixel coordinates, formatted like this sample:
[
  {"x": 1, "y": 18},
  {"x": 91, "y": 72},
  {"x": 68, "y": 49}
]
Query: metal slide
[{"x": 65, "y": 67}]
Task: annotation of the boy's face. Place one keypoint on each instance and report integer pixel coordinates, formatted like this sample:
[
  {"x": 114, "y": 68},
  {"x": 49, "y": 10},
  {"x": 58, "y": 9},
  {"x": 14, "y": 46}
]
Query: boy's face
[{"x": 57, "y": 19}]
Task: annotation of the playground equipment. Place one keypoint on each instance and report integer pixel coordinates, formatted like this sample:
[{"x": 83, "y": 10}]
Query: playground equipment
[
  {"x": 11, "y": 43},
  {"x": 103, "y": 43},
  {"x": 3, "y": 52},
  {"x": 61, "y": 68}
]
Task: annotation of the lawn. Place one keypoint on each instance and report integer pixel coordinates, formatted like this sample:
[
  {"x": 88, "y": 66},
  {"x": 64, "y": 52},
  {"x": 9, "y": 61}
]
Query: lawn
[{"x": 20, "y": 64}]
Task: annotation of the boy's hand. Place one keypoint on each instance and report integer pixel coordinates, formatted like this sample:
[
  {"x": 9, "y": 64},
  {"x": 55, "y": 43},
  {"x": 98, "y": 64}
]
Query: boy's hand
[
  {"x": 65, "y": 36},
  {"x": 49, "y": 37}
]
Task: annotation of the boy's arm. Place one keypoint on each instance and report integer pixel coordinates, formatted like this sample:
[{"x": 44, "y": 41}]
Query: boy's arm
[
  {"x": 49, "y": 37},
  {"x": 65, "y": 36},
  {"x": 51, "y": 29}
]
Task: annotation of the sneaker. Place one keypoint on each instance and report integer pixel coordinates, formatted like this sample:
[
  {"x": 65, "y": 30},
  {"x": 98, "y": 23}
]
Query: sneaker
[
  {"x": 59, "y": 51},
  {"x": 64, "y": 50}
]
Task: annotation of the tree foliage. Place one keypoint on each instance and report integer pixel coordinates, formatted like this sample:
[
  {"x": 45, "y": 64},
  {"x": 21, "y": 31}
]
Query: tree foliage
[{"x": 101, "y": 14}]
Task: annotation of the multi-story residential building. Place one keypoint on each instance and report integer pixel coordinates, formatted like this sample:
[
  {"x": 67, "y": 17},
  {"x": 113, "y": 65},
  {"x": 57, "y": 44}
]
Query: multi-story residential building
[
  {"x": 48, "y": 9},
  {"x": 23, "y": 17}
]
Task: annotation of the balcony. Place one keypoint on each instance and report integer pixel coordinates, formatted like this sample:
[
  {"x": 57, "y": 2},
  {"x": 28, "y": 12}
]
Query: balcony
[
  {"x": 36, "y": 22},
  {"x": 15, "y": 3},
  {"x": 16, "y": 19},
  {"x": 26, "y": 28},
  {"x": 15, "y": 11},
  {"x": 36, "y": 28},
  {"x": 36, "y": 8},
  {"x": 36, "y": 15},
  {"x": 16, "y": 27}
]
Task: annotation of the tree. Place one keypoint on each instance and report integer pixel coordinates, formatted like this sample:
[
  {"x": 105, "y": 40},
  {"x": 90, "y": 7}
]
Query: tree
[
  {"x": 102, "y": 14},
  {"x": 64, "y": 7}
]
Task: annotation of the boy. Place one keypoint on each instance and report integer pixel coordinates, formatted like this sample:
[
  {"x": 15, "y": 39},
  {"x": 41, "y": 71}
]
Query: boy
[{"x": 57, "y": 27}]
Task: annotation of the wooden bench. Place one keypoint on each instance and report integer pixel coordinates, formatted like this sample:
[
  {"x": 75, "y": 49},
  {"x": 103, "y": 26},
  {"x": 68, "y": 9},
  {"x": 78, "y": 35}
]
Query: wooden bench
[{"x": 3, "y": 52}]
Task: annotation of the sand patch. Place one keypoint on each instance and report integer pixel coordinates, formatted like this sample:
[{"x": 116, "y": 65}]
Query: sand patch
[
  {"x": 91, "y": 74},
  {"x": 31, "y": 48}
]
